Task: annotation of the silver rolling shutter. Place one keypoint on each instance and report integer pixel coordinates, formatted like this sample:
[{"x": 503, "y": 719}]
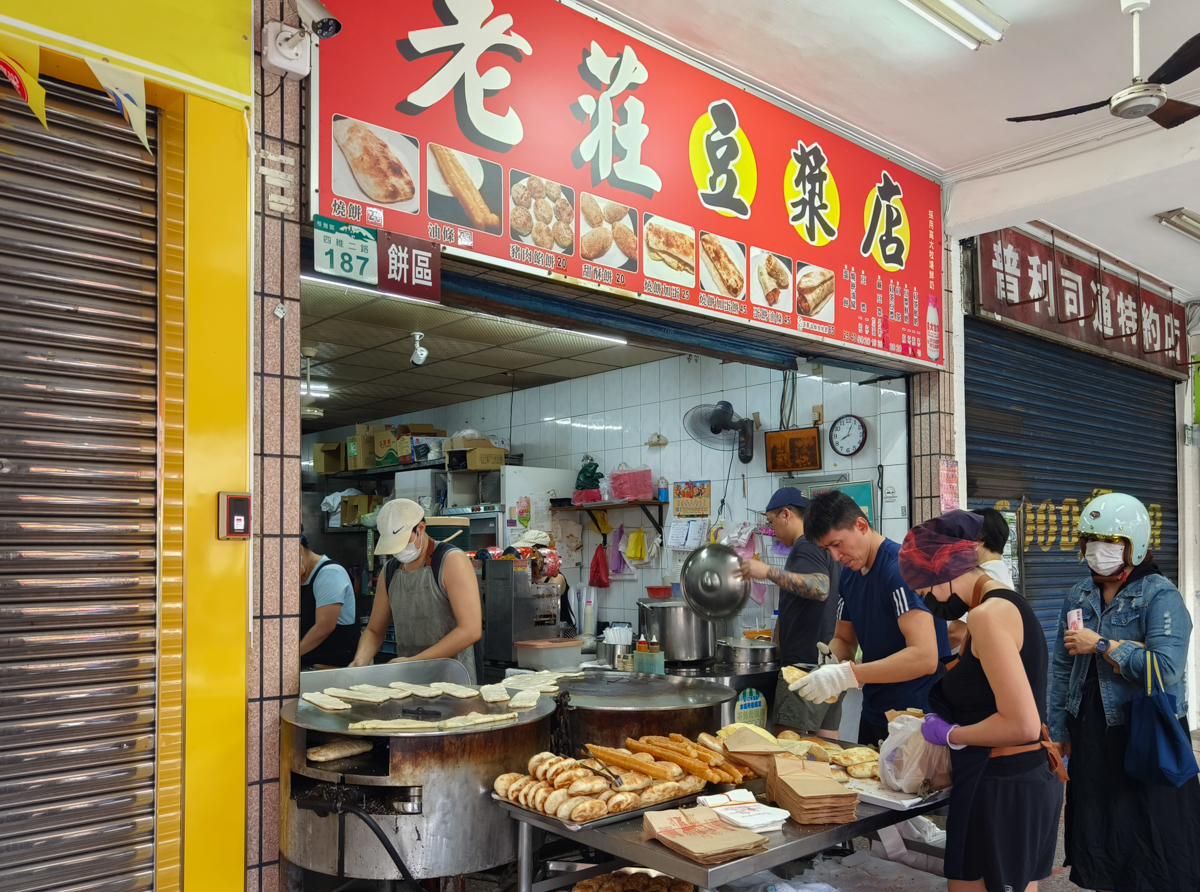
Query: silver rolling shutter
[
  {"x": 1049, "y": 426},
  {"x": 78, "y": 496}
]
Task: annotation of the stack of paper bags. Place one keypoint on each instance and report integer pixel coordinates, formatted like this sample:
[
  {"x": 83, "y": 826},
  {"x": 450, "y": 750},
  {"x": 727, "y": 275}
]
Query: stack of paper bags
[
  {"x": 698, "y": 834},
  {"x": 747, "y": 748},
  {"x": 809, "y": 793}
]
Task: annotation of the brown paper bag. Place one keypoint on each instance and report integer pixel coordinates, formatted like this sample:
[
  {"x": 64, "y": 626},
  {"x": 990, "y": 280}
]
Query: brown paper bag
[
  {"x": 754, "y": 751},
  {"x": 698, "y": 834},
  {"x": 809, "y": 793}
]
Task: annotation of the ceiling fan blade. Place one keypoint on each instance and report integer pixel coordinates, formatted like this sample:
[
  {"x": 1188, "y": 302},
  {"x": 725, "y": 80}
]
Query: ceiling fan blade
[
  {"x": 1079, "y": 109},
  {"x": 1174, "y": 113},
  {"x": 1183, "y": 62}
]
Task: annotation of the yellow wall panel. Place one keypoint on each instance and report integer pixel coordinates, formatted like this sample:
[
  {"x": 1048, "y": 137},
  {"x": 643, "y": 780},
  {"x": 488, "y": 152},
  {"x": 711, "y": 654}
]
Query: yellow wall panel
[
  {"x": 205, "y": 48},
  {"x": 216, "y": 457}
]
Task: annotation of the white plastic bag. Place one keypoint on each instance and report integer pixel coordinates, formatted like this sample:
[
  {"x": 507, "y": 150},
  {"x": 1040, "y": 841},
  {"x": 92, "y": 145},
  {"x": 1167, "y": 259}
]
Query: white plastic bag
[
  {"x": 907, "y": 760},
  {"x": 891, "y": 845}
]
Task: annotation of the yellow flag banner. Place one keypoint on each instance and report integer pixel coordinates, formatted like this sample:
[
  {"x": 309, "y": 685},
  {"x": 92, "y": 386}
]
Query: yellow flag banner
[
  {"x": 19, "y": 62},
  {"x": 128, "y": 90}
]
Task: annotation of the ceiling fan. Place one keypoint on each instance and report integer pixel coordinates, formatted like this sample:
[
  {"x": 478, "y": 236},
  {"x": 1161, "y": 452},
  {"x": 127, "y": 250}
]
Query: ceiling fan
[{"x": 1145, "y": 98}]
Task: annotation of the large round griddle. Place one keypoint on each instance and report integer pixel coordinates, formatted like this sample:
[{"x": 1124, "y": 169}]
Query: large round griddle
[
  {"x": 305, "y": 715},
  {"x": 639, "y": 693}
]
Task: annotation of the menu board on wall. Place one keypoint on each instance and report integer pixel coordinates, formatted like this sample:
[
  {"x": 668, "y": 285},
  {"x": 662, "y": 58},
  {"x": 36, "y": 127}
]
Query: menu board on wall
[
  {"x": 1026, "y": 281},
  {"x": 527, "y": 134}
]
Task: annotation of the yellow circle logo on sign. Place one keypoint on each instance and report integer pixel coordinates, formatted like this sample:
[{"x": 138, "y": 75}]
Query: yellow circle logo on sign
[
  {"x": 810, "y": 195},
  {"x": 722, "y": 161},
  {"x": 885, "y": 224}
]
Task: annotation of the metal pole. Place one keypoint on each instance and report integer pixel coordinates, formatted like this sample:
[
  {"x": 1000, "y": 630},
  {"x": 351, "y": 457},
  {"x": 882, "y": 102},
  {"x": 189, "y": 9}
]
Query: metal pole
[
  {"x": 1137, "y": 45},
  {"x": 524, "y": 857}
]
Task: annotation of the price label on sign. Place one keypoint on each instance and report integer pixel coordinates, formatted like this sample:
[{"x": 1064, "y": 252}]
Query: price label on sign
[{"x": 345, "y": 250}]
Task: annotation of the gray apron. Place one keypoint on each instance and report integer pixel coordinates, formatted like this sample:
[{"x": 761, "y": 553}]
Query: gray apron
[{"x": 421, "y": 612}]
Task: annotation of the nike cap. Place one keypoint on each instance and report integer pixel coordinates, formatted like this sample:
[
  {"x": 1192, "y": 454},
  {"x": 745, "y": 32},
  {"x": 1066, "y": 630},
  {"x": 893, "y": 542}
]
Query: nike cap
[{"x": 395, "y": 522}]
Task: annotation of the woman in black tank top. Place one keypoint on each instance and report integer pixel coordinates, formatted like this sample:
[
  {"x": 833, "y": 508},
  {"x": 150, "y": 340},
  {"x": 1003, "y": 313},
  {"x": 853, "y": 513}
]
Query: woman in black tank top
[{"x": 990, "y": 709}]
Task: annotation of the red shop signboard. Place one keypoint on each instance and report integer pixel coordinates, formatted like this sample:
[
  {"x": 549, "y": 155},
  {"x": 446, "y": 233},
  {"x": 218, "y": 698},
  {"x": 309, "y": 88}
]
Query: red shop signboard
[
  {"x": 526, "y": 134},
  {"x": 1028, "y": 282}
]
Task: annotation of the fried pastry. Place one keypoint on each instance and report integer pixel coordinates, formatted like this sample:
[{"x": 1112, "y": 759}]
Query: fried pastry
[
  {"x": 590, "y": 208},
  {"x": 542, "y": 237},
  {"x": 626, "y": 239},
  {"x": 521, "y": 221},
  {"x": 564, "y": 235},
  {"x": 595, "y": 244},
  {"x": 379, "y": 173}
]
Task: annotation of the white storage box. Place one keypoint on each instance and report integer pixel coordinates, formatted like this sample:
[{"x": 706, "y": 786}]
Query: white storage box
[{"x": 550, "y": 653}]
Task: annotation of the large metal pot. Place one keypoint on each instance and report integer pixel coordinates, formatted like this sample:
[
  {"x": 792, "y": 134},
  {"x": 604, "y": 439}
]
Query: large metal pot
[
  {"x": 681, "y": 633},
  {"x": 744, "y": 652},
  {"x": 607, "y": 707}
]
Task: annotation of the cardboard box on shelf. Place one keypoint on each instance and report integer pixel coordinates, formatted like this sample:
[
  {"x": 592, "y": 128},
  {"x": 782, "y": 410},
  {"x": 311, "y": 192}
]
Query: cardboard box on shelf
[
  {"x": 354, "y": 507},
  {"x": 360, "y": 451},
  {"x": 370, "y": 428},
  {"x": 478, "y": 459},
  {"x": 393, "y": 447},
  {"x": 328, "y": 458},
  {"x": 453, "y": 443},
  {"x": 425, "y": 430}
]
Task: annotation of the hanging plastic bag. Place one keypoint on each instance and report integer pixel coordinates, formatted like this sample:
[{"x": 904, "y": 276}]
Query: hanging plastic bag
[
  {"x": 589, "y": 474},
  {"x": 653, "y": 548},
  {"x": 907, "y": 760},
  {"x": 635, "y": 549},
  {"x": 745, "y": 550},
  {"x": 632, "y": 484},
  {"x": 616, "y": 561},
  {"x": 599, "y": 574}
]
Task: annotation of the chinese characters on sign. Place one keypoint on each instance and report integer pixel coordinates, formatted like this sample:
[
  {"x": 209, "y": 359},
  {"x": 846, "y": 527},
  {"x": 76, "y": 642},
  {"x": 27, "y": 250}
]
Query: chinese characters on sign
[
  {"x": 410, "y": 266},
  {"x": 613, "y": 75},
  {"x": 885, "y": 239},
  {"x": 1029, "y": 282},
  {"x": 526, "y": 134},
  {"x": 470, "y": 36},
  {"x": 721, "y": 150},
  {"x": 344, "y": 250},
  {"x": 810, "y": 208}
]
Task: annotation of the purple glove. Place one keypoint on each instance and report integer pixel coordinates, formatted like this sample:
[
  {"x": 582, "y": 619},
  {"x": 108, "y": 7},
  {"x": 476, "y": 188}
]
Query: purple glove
[{"x": 937, "y": 730}]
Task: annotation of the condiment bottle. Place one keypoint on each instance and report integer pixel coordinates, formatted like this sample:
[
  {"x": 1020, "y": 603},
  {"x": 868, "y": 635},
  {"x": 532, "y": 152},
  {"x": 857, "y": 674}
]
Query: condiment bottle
[
  {"x": 653, "y": 644},
  {"x": 642, "y": 646}
]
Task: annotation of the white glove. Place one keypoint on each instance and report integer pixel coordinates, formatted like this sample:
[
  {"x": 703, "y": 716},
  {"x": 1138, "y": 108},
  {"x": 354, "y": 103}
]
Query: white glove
[
  {"x": 825, "y": 655},
  {"x": 825, "y": 682}
]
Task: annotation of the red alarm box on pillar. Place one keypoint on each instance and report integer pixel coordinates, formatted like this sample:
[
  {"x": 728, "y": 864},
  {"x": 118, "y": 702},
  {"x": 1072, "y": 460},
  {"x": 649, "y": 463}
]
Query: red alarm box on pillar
[{"x": 233, "y": 515}]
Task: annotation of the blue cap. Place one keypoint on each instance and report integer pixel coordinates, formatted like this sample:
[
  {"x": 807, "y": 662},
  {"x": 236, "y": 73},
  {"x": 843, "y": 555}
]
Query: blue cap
[{"x": 789, "y": 495}]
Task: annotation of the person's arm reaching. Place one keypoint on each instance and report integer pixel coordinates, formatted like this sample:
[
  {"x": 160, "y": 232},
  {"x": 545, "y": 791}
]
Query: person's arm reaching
[
  {"x": 918, "y": 657},
  {"x": 377, "y": 626},
  {"x": 324, "y": 623},
  {"x": 462, "y": 588}
]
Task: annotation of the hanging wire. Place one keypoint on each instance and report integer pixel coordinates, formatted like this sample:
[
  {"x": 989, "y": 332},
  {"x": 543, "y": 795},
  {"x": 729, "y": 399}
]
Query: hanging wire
[{"x": 787, "y": 400}]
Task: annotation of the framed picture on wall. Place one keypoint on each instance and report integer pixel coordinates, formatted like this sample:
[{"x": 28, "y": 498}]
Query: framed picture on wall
[{"x": 794, "y": 450}]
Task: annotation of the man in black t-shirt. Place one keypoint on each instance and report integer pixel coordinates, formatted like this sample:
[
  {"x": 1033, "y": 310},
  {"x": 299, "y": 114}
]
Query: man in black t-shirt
[{"x": 808, "y": 603}]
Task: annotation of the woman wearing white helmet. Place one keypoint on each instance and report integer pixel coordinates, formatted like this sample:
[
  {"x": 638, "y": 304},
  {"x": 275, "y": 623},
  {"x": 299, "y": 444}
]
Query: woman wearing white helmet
[{"x": 1122, "y": 835}]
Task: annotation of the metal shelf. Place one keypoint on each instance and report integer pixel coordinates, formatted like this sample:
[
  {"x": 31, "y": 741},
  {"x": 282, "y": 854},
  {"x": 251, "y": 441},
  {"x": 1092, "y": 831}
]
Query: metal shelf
[
  {"x": 390, "y": 469},
  {"x": 589, "y": 507}
]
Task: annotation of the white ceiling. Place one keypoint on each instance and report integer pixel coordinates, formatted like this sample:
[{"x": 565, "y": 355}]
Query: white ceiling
[{"x": 877, "y": 68}]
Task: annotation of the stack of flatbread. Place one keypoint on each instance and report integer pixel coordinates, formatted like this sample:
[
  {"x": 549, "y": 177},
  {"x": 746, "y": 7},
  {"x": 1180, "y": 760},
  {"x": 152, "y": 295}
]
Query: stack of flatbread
[{"x": 858, "y": 761}]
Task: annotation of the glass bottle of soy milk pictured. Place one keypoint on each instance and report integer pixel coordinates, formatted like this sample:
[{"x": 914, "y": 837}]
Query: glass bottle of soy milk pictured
[{"x": 933, "y": 330}]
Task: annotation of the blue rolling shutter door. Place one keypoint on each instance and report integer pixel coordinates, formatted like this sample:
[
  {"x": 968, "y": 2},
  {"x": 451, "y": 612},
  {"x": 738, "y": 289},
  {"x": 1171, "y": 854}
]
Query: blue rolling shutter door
[{"x": 1049, "y": 424}]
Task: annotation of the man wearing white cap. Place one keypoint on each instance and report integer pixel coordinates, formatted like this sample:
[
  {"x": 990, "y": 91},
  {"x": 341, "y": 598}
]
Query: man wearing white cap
[{"x": 429, "y": 590}]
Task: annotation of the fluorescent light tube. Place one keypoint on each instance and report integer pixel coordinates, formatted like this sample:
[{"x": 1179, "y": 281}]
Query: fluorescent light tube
[
  {"x": 584, "y": 334},
  {"x": 1182, "y": 220},
  {"x": 977, "y": 14},
  {"x": 961, "y": 36}
]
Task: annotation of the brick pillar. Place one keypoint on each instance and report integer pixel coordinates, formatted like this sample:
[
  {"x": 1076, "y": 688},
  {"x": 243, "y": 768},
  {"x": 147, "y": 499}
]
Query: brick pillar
[
  {"x": 273, "y": 672},
  {"x": 931, "y": 416}
]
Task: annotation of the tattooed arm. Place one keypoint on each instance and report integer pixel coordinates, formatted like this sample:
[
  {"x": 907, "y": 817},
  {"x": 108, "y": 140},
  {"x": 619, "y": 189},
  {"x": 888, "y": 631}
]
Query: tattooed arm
[{"x": 813, "y": 586}]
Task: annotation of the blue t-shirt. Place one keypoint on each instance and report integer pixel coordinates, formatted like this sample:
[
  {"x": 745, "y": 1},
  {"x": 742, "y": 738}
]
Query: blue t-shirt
[
  {"x": 333, "y": 586},
  {"x": 874, "y": 603}
]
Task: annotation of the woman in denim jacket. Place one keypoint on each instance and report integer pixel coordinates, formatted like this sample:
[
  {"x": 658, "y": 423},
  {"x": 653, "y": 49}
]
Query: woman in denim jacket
[{"x": 1121, "y": 835}]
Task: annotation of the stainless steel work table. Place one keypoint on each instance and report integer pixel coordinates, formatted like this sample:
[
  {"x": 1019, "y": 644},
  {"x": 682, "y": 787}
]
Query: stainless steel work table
[{"x": 628, "y": 843}]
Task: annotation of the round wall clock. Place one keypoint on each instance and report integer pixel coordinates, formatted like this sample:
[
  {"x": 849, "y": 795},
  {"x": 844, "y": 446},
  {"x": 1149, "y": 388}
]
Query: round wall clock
[{"x": 848, "y": 435}]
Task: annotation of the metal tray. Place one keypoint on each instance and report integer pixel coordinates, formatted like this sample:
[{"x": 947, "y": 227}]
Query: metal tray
[{"x": 599, "y": 822}]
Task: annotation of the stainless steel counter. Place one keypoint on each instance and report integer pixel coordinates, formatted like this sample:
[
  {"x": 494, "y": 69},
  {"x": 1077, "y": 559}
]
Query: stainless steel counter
[{"x": 628, "y": 842}]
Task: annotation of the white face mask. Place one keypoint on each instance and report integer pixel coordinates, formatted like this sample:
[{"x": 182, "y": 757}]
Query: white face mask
[
  {"x": 1105, "y": 558},
  {"x": 410, "y": 553}
]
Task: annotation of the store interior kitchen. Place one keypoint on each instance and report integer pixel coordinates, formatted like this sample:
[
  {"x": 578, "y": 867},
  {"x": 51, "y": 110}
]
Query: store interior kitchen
[{"x": 537, "y": 401}]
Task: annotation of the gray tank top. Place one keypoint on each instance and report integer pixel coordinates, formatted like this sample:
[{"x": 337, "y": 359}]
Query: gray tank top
[{"x": 421, "y": 611}]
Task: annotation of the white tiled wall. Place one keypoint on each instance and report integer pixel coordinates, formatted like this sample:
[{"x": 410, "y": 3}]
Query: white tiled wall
[{"x": 611, "y": 415}]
